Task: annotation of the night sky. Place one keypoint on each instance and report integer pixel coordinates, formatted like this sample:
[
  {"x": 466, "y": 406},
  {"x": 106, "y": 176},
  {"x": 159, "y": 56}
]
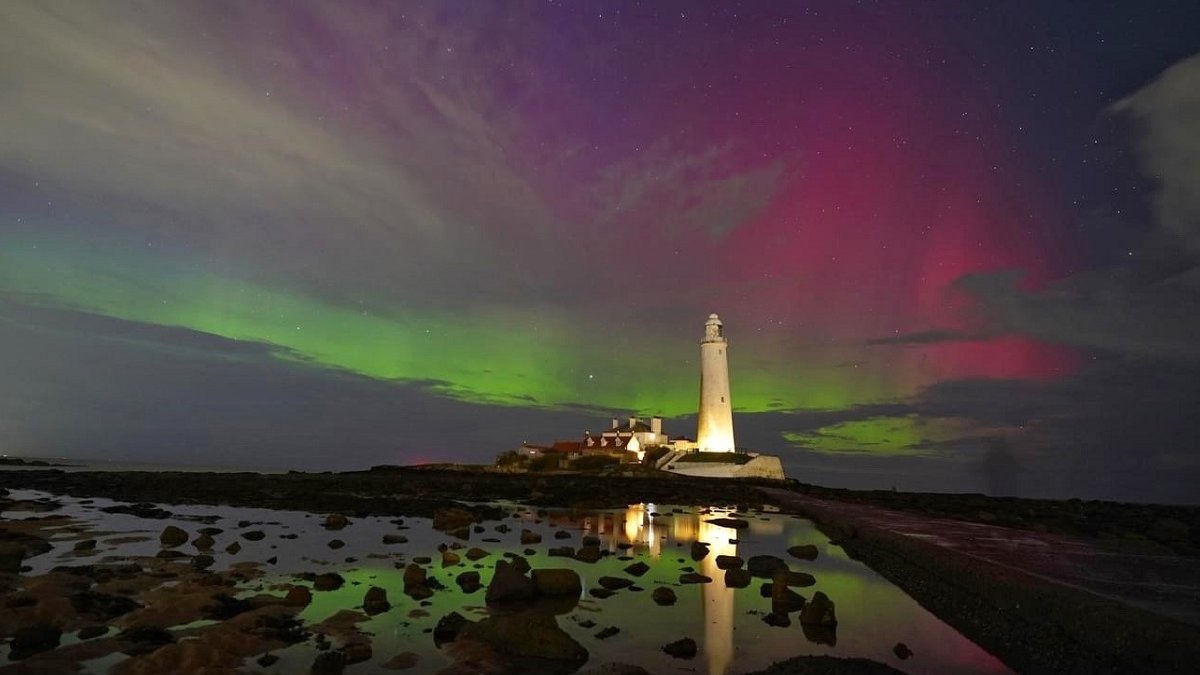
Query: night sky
[{"x": 956, "y": 245}]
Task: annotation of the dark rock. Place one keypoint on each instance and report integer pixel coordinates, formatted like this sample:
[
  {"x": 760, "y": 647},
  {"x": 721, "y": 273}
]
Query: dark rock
[
  {"x": 145, "y": 639},
  {"x": 173, "y": 536},
  {"x": 202, "y": 562},
  {"x": 589, "y": 540},
  {"x": 401, "y": 661},
  {"x": 614, "y": 583},
  {"x": 395, "y": 539},
  {"x": 764, "y": 566},
  {"x": 170, "y": 554},
  {"x": 204, "y": 542},
  {"x": 254, "y": 535},
  {"x": 233, "y": 548},
  {"x": 615, "y": 669},
  {"x": 529, "y": 634},
  {"x": 335, "y": 544},
  {"x": 329, "y": 581},
  {"x": 448, "y": 627},
  {"x": 562, "y": 552},
  {"x": 562, "y": 534},
  {"x": 225, "y": 606},
  {"x": 729, "y": 562},
  {"x": 694, "y": 578},
  {"x": 803, "y": 551},
  {"x": 267, "y": 660},
  {"x": 737, "y": 578},
  {"x": 902, "y": 651},
  {"x": 93, "y": 631},
  {"x": 681, "y": 649},
  {"x": 30, "y": 640},
  {"x": 784, "y": 599},
  {"x": 85, "y": 545},
  {"x": 476, "y": 553},
  {"x": 508, "y": 584},
  {"x": 453, "y": 519},
  {"x": 735, "y": 523},
  {"x": 663, "y": 596},
  {"x": 588, "y": 554},
  {"x": 422, "y": 559},
  {"x": 777, "y": 619},
  {"x": 607, "y": 632},
  {"x": 375, "y": 601},
  {"x": 637, "y": 569},
  {"x": 699, "y": 550},
  {"x": 357, "y": 652},
  {"x": 328, "y": 663},
  {"x": 336, "y": 521},
  {"x": 147, "y": 511},
  {"x": 468, "y": 581},
  {"x": 450, "y": 559},
  {"x": 102, "y": 606},
  {"x": 530, "y": 537},
  {"x": 297, "y": 596},
  {"x": 11, "y": 556},
  {"x": 557, "y": 581},
  {"x": 819, "y": 612},
  {"x": 601, "y": 593}
]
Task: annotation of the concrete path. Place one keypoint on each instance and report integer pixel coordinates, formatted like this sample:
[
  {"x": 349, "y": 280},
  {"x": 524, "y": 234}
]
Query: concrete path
[{"x": 1165, "y": 585}]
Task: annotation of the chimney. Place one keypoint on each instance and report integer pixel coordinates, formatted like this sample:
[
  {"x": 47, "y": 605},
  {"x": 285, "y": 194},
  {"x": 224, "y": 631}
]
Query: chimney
[
  {"x": 656, "y": 425},
  {"x": 632, "y": 420}
]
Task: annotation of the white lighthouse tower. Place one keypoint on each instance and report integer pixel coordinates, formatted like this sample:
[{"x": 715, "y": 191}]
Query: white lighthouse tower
[{"x": 714, "y": 432}]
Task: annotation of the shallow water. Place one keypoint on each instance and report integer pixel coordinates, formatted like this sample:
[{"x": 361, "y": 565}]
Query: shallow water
[{"x": 727, "y": 623}]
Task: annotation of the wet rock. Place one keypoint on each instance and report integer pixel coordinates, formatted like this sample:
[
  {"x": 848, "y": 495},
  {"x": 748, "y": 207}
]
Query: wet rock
[
  {"x": 11, "y": 556},
  {"x": 799, "y": 579},
  {"x": 224, "y": 606},
  {"x": 201, "y": 562},
  {"x": 784, "y": 599},
  {"x": 401, "y": 661},
  {"x": 729, "y": 562},
  {"x": 734, "y": 523},
  {"x": 530, "y": 537},
  {"x": 681, "y": 649},
  {"x": 588, "y": 554},
  {"x": 699, "y": 550},
  {"x": 170, "y": 554},
  {"x": 468, "y": 581},
  {"x": 101, "y": 606},
  {"x": 395, "y": 539},
  {"x": 453, "y": 520},
  {"x": 336, "y": 521},
  {"x": 614, "y": 583},
  {"x": 30, "y": 640},
  {"x": 737, "y": 578},
  {"x": 590, "y": 540},
  {"x": 147, "y": 511},
  {"x": 267, "y": 660},
  {"x": 601, "y": 593},
  {"x": 450, "y": 559},
  {"x": 297, "y": 596},
  {"x": 822, "y": 635},
  {"x": 357, "y": 652},
  {"x": 562, "y": 552},
  {"x": 508, "y": 584},
  {"x": 254, "y": 535},
  {"x": 145, "y": 639},
  {"x": 233, "y": 548},
  {"x": 173, "y": 536},
  {"x": 902, "y": 651},
  {"x": 84, "y": 546},
  {"x": 375, "y": 601},
  {"x": 557, "y": 581},
  {"x": 819, "y": 612},
  {"x": 637, "y": 569},
  {"x": 416, "y": 584},
  {"x": 803, "y": 551},
  {"x": 448, "y": 627},
  {"x": 764, "y": 566},
  {"x": 562, "y": 534},
  {"x": 328, "y": 581},
  {"x": 328, "y": 663},
  {"x": 422, "y": 559},
  {"x": 694, "y": 578},
  {"x": 663, "y": 596},
  {"x": 520, "y": 564},
  {"x": 528, "y": 634},
  {"x": 777, "y": 619},
  {"x": 607, "y": 632},
  {"x": 335, "y": 544},
  {"x": 475, "y": 553},
  {"x": 204, "y": 542}
]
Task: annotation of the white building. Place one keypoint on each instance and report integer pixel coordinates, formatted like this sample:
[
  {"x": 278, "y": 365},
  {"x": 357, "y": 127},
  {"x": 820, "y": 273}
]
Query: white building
[{"x": 714, "y": 426}]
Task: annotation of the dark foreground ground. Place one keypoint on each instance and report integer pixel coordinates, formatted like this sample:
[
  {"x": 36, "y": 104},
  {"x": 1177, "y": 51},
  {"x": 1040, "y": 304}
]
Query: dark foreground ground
[{"x": 964, "y": 557}]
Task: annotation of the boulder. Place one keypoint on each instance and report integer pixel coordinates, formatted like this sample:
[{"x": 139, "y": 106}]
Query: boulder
[
  {"x": 204, "y": 542},
  {"x": 475, "y": 553},
  {"x": 468, "y": 582},
  {"x": 819, "y": 612},
  {"x": 588, "y": 554},
  {"x": 557, "y": 581},
  {"x": 764, "y": 566},
  {"x": 729, "y": 562},
  {"x": 173, "y": 536},
  {"x": 328, "y": 581},
  {"x": 737, "y": 578},
  {"x": 336, "y": 521},
  {"x": 297, "y": 596},
  {"x": 663, "y": 596},
  {"x": 375, "y": 601},
  {"x": 803, "y": 551},
  {"x": 637, "y": 569},
  {"x": 450, "y": 559},
  {"x": 528, "y": 634},
  {"x": 614, "y": 583},
  {"x": 681, "y": 649},
  {"x": 508, "y": 584},
  {"x": 699, "y": 550},
  {"x": 414, "y": 575}
]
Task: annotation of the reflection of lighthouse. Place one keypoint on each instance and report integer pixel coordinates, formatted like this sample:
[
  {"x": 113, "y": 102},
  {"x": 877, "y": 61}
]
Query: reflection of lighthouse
[
  {"x": 714, "y": 432},
  {"x": 718, "y": 599}
]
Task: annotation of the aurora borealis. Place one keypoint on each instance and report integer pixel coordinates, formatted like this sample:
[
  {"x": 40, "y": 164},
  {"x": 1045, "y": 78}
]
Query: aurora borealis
[{"x": 955, "y": 245}]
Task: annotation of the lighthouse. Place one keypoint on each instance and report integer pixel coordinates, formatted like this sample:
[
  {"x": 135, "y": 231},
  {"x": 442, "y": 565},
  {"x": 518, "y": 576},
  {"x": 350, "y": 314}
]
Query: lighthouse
[{"x": 714, "y": 432}]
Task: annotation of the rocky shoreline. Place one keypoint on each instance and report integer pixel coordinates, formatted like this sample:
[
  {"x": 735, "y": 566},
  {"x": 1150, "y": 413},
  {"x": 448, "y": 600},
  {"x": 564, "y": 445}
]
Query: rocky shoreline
[{"x": 1032, "y": 624}]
